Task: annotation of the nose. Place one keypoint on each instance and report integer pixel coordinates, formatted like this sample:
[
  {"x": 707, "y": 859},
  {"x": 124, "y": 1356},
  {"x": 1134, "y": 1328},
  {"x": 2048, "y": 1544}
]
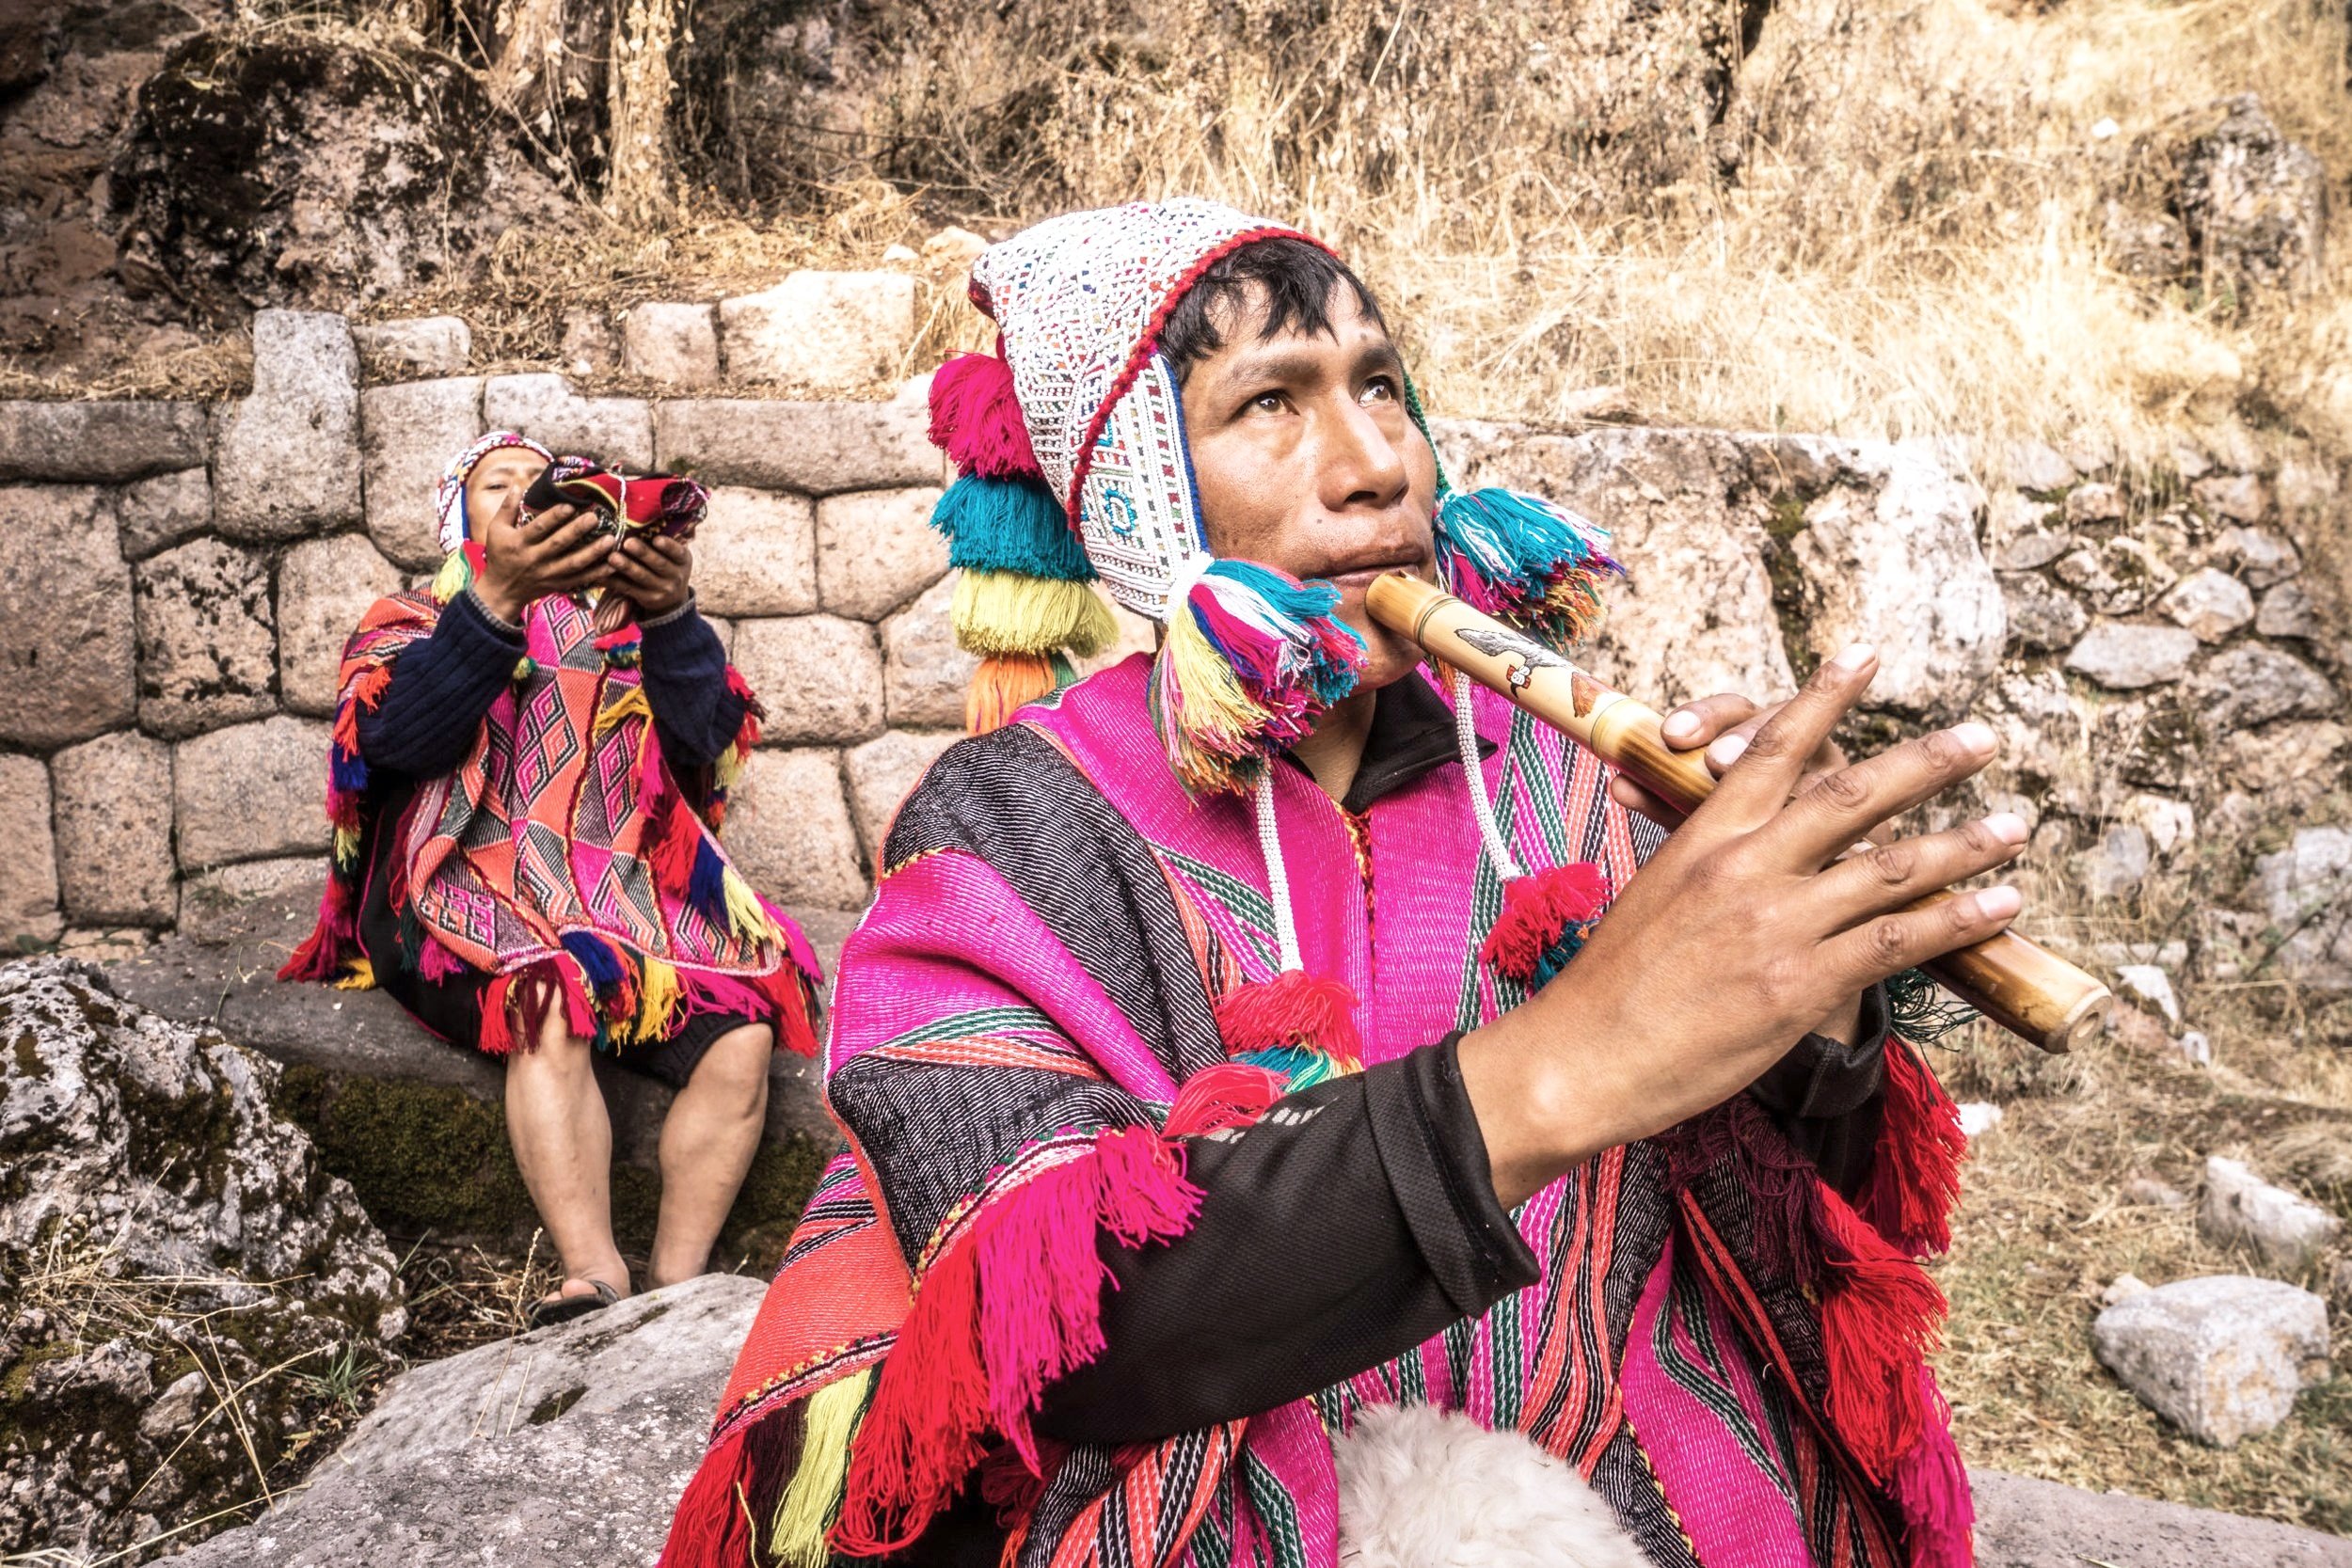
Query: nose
[{"x": 1364, "y": 469}]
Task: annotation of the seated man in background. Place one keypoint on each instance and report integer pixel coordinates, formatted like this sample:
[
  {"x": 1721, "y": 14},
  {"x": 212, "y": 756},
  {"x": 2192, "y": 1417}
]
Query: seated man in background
[{"x": 527, "y": 778}]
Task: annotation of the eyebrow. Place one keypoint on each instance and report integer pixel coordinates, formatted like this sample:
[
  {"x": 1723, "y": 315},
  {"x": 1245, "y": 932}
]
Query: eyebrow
[{"x": 1288, "y": 365}]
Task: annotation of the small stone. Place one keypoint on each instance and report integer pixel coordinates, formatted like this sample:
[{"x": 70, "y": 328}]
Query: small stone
[
  {"x": 2042, "y": 616},
  {"x": 2232, "y": 498},
  {"x": 2125, "y": 657},
  {"x": 2146, "y": 1192},
  {"x": 2221, "y": 1357},
  {"x": 408, "y": 435},
  {"x": 837, "y": 331},
  {"x": 2149, "y": 987},
  {"x": 789, "y": 829},
  {"x": 28, "y": 872},
  {"x": 2287, "y": 610},
  {"x": 156, "y": 514},
  {"x": 2287, "y": 760},
  {"x": 2251, "y": 684},
  {"x": 883, "y": 772},
  {"x": 2139, "y": 1032},
  {"x": 616, "y": 432},
  {"x": 2285, "y": 1230},
  {"x": 671, "y": 342},
  {"x": 2171, "y": 825},
  {"x": 2120, "y": 576},
  {"x": 2038, "y": 467},
  {"x": 818, "y": 676},
  {"x": 953, "y": 247},
  {"x": 1977, "y": 1117},
  {"x": 898, "y": 253},
  {"x": 756, "y": 553},
  {"x": 2094, "y": 503},
  {"x": 323, "y": 587},
  {"x": 68, "y": 651},
  {"x": 2033, "y": 550},
  {"x": 113, "y": 831},
  {"x": 923, "y": 672},
  {"x": 176, "y": 1410},
  {"x": 251, "y": 792},
  {"x": 818, "y": 449},
  {"x": 2305, "y": 488},
  {"x": 2209, "y": 602},
  {"x": 2090, "y": 452},
  {"x": 208, "y": 653},
  {"x": 2254, "y": 205},
  {"x": 99, "y": 443},
  {"x": 2189, "y": 460},
  {"x": 413, "y": 349},
  {"x": 2195, "y": 1049},
  {"x": 2117, "y": 864},
  {"x": 2256, "y": 554},
  {"x": 876, "y": 549},
  {"x": 287, "y": 462},
  {"x": 2122, "y": 1288}
]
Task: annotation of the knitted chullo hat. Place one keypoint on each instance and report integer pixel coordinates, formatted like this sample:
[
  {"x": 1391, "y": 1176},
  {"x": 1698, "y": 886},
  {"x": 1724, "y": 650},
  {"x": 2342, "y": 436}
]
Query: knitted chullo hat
[{"x": 1074, "y": 468}]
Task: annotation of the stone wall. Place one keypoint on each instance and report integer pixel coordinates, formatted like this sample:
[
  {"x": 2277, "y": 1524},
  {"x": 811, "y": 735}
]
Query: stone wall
[{"x": 178, "y": 580}]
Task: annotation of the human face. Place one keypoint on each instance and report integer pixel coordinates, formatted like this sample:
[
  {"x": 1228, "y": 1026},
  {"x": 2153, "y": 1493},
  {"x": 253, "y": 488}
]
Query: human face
[
  {"x": 498, "y": 483},
  {"x": 1307, "y": 460}
]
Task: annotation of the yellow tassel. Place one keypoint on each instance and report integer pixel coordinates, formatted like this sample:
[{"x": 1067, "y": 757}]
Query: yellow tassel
[
  {"x": 746, "y": 913},
  {"x": 659, "y": 995},
  {"x": 807, "y": 1513},
  {"x": 1212, "y": 705},
  {"x": 729, "y": 766},
  {"x": 452, "y": 578},
  {"x": 1006, "y": 613},
  {"x": 346, "y": 846},
  {"x": 1000, "y": 686},
  {"x": 359, "y": 975},
  {"x": 630, "y": 705}
]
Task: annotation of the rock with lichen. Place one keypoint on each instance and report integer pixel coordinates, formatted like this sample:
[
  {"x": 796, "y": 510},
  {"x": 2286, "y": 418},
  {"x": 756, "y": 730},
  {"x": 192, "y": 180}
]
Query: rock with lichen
[{"x": 188, "y": 1292}]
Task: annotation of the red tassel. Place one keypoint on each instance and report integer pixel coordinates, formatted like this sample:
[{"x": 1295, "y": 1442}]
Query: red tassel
[
  {"x": 497, "y": 1031},
  {"x": 1914, "y": 1176},
  {"x": 1293, "y": 1008},
  {"x": 712, "y": 1526},
  {"x": 1539, "y": 910},
  {"x": 976, "y": 418},
  {"x": 1231, "y": 1094},
  {"x": 1881, "y": 1315}
]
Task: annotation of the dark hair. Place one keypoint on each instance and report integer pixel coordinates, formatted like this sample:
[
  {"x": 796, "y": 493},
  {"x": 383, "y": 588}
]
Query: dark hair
[{"x": 1295, "y": 281}]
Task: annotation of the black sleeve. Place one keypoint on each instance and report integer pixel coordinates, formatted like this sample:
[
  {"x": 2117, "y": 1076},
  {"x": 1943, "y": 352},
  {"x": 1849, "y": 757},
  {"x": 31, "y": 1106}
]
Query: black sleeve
[
  {"x": 694, "y": 710},
  {"x": 425, "y": 721},
  {"x": 1354, "y": 1220},
  {"x": 1826, "y": 1095}
]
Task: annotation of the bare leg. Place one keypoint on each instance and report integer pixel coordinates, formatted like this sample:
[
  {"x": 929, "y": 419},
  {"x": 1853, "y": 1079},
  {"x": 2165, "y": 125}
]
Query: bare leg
[
  {"x": 708, "y": 1142},
  {"x": 562, "y": 1139}
]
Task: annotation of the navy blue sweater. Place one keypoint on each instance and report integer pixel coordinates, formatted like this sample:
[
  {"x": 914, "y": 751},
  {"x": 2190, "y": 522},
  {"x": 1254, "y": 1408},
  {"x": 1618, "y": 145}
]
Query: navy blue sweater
[{"x": 426, "y": 719}]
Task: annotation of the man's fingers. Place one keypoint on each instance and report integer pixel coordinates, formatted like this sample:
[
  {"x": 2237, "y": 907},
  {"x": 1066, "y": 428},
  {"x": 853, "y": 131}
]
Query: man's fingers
[
  {"x": 1838, "y": 808},
  {"x": 1766, "y": 772},
  {"x": 1894, "y": 942},
  {"x": 545, "y": 525},
  {"x": 590, "y": 553},
  {"x": 1632, "y": 796},
  {"x": 1696, "y": 723},
  {"x": 1892, "y": 875}
]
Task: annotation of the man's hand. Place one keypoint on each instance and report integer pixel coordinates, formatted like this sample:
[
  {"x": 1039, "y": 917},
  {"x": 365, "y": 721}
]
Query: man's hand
[
  {"x": 559, "y": 551},
  {"x": 653, "y": 574},
  {"x": 1740, "y": 934}
]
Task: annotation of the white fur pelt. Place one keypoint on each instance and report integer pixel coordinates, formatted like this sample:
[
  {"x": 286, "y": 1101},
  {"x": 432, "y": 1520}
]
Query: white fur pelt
[{"x": 1422, "y": 1488}]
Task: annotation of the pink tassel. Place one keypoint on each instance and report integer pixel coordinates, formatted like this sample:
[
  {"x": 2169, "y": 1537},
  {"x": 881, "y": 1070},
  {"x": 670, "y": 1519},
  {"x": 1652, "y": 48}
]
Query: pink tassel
[
  {"x": 437, "y": 962},
  {"x": 1539, "y": 911},
  {"x": 1292, "y": 1008},
  {"x": 1932, "y": 1489},
  {"x": 976, "y": 418},
  {"x": 1231, "y": 1094}
]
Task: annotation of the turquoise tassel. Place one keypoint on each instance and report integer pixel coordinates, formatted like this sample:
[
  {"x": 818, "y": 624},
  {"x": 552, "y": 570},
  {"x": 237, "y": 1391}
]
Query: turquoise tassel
[{"x": 1009, "y": 525}]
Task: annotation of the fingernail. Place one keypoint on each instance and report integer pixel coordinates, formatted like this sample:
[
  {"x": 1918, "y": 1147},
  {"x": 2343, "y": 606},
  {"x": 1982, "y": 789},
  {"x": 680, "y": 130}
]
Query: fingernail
[
  {"x": 2007, "y": 826},
  {"x": 1978, "y": 739},
  {"x": 1681, "y": 726},
  {"x": 2000, "y": 903},
  {"x": 1855, "y": 657},
  {"x": 1728, "y": 751}
]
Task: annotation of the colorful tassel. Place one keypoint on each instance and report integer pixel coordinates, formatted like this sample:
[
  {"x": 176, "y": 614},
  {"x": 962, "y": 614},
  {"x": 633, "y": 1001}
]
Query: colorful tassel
[
  {"x": 1003, "y": 613},
  {"x": 1003, "y": 685},
  {"x": 1914, "y": 1174},
  {"x": 1293, "y": 1010},
  {"x": 747, "y": 912},
  {"x": 1521, "y": 558},
  {"x": 1252, "y": 656},
  {"x": 1009, "y": 525},
  {"x": 813, "y": 1499},
  {"x": 437, "y": 962},
  {"x": 1881, "y": 1317},
  {"x": 1544, "y": 919},
  {"x": 1231, "y": 1094},
  {"x": 706, "y": 887},
  {"x": 359, "y": 975},
  {"x": 976, "y": 417},
  {"x": 630, "y": 705},
  {"x": 458, "y": 570},
  {"x": 1932, "y": 1489}
]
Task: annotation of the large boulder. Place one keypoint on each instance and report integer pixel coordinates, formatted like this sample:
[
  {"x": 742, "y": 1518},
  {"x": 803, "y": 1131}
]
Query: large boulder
[
  {"x": 2221, "y": 1357},
  {"x": 566, "y": 1447},
  {"x": 176, "y": 1261},
  {"x": 2024, "y": 1523},
  {"x": 66, "y": 641}
]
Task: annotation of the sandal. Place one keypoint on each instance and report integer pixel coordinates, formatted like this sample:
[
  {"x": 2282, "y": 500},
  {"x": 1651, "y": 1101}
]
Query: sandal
[{"x": 563, "y": 1309}]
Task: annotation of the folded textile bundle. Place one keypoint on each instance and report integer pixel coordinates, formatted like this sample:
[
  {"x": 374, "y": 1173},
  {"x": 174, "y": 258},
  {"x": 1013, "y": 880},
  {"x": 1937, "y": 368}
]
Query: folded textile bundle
[{"x": 660, "y": 504}]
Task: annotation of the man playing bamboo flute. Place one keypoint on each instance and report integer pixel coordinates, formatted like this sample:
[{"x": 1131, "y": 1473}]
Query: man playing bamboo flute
[{"x": 1261, "y": 1065}]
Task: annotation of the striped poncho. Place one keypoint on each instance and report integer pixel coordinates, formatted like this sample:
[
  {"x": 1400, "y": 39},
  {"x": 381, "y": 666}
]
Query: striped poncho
[{"x": 1024, "y": 1037}]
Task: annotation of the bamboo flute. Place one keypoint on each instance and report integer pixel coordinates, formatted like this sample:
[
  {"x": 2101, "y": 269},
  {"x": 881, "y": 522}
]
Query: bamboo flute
[{"x": 2019, "y": 985}]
